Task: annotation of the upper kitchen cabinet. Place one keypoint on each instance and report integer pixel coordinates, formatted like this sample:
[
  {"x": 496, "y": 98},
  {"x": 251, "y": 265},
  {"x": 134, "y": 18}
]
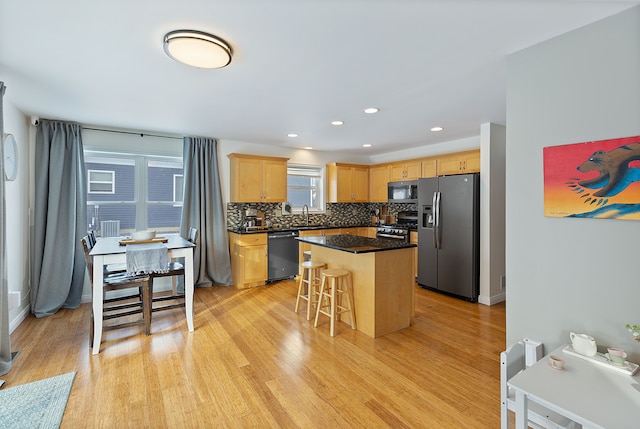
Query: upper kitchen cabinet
[
  {"x": 460, "y": 162},
  {"x": 348, "y": 183},
  {"x": 378, "y": 179},
  {"x": 429, "y": 167},
  {"x": 405, "y": 170},
  {"x": 258, "y": 178}
]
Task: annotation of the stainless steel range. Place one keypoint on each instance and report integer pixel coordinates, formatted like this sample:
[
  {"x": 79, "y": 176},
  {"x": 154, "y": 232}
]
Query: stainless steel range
[{"x": 400, "y": 230}]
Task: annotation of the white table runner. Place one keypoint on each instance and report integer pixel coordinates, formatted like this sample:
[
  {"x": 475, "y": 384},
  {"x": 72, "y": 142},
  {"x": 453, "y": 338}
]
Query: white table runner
[{"x": 147, "y": 258}]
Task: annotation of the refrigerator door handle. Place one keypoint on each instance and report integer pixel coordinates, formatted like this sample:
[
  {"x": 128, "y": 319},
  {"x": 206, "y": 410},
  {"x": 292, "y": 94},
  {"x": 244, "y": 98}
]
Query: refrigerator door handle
[{"x": 436, "y": 210}]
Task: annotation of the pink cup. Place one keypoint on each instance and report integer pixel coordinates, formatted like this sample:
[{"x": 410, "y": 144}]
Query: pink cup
[
  {"x": 616, "y": 355},
  {"x": 556, "y": 362}
]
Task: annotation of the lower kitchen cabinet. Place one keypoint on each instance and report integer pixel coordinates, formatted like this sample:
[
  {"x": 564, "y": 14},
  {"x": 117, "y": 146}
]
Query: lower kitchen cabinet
[
  {"x": 249, "y": 256},
  {"x": 413, "y": 238}
]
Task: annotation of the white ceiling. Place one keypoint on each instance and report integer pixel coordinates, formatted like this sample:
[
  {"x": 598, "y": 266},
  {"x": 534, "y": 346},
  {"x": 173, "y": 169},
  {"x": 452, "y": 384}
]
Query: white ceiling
[{"x": 298, "y": 65}]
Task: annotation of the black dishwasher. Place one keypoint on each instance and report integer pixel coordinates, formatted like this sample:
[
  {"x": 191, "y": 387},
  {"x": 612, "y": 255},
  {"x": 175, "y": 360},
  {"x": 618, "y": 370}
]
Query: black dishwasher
[{"x": 283, "y": 255}]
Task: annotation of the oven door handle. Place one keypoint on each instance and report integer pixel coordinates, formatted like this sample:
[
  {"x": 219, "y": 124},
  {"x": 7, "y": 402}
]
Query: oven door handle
[{"x": 397, "y": 237}]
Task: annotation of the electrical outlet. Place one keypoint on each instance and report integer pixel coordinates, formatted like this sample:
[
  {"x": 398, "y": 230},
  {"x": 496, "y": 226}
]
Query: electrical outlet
[
  {"x": 503, "y": 281},
  {"x": 14, "y": 299},
  {"x": 328, "y": 212}
]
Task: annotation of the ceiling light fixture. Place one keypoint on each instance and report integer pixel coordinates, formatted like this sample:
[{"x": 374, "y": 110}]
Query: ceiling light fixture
[
  {"x": 437, "y": 129},
  {"x": 292, "y": 135},
  {"x": 366, "y": 145},
  {"x": 337, "y": 122},
  {"x": 197, "y": 49},
  {"x": 371, "y": 110},
  {"x": 308, "y": 147}
]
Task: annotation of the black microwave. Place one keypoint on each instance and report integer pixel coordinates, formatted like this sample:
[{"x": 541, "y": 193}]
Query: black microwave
[{"x": 403, "y": 192}]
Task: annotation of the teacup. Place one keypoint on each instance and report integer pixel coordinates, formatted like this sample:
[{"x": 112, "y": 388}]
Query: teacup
[
  {"x": 616, "y": 355},
  {"x": 556, "y": 362}
]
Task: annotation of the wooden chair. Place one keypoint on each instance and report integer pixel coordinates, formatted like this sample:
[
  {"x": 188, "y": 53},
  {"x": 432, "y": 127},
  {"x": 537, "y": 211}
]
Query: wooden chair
[
  {"x": 512, "y": 361},
  {"x": 336, "y": 284},
  {"x": 111, "y": 268},
  {"x": 176, "y": 268},
  {"x": 309, "y": 286},
  {"x": 124, "y": 305}
]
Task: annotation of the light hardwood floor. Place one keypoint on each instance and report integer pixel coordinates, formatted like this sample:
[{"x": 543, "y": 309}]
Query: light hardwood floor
[{"x": 253, "y": 362}]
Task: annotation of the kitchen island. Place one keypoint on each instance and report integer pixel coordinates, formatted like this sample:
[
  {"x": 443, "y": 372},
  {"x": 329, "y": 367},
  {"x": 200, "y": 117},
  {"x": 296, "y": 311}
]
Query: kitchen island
[{"x": 382, "y": 274}]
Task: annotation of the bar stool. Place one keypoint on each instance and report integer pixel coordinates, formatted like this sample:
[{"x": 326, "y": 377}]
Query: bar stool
[
  {"x": 331, "y": 293},
  {"x": 312, "y": 281}
]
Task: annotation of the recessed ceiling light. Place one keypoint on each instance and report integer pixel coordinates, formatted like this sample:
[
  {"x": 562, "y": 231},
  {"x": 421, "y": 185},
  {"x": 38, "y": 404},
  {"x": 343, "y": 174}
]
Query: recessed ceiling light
[
  {"x": 292, "y": 135},
  {"x": 366, "y": 145},
  {"x": 371, "y": 110},
  {"x": 197, "y": 49},
  {"x": 337, "y": 122},
  {"x": 308, "y": 147},
  {"x": 437, "y": 129}
]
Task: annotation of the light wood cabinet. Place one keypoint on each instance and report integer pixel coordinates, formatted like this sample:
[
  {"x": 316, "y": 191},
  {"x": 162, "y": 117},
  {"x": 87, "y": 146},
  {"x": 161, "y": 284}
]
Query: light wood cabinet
[
  {"x": 459, "y": 163},
  {"x": 429, "y": 167},
  {"x": 335, "y": 231},
  {"x": 378, "y": 179},
  {"x": 413, "y": 238},
  {"x": 360, "y": 231},
  {"x": 257, "y": 178},
  {"x": 348, "y": 183},
  {"x": 249, "y": 254},
  {"x": 303, "y": 247},
  {"x": 405, "y": 170}
]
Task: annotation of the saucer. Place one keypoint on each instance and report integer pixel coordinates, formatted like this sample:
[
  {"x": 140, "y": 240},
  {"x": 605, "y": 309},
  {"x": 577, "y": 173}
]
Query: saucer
[
  {"x": 619, "y": 365},
  {"x": 557, "y": 369}
]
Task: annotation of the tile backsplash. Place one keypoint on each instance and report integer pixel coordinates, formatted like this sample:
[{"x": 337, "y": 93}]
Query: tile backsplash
[{"x": 337, "y": 214}]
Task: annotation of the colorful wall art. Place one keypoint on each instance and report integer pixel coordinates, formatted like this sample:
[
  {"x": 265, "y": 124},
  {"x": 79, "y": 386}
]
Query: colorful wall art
[{"x": 598, "y": 179}]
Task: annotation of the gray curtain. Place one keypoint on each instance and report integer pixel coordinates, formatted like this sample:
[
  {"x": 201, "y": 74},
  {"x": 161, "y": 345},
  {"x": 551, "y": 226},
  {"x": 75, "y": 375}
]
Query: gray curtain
[
  {"x": 60, "y": 218},
  {"x": 5, "y": 340},
  {"x": 203, "y": 208}
]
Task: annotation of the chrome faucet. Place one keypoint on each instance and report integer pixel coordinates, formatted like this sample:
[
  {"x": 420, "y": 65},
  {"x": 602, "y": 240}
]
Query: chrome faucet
[{"x": 307, "y": 218}]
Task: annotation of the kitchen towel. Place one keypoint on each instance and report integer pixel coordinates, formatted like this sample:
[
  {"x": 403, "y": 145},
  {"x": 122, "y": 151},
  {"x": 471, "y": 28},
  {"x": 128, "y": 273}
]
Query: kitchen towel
[{"x": 147, "y": 258}]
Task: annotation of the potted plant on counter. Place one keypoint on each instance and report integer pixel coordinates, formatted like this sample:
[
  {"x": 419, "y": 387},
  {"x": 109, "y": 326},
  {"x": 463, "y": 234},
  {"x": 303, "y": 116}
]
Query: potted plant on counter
[{"x": 635, "y": 331}]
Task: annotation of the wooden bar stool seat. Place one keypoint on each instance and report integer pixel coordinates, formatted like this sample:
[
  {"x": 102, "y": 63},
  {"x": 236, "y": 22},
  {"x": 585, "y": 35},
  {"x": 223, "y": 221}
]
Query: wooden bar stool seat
[
  {"x": 308, "y": 289},
  {"x": 335, "y": 297}
]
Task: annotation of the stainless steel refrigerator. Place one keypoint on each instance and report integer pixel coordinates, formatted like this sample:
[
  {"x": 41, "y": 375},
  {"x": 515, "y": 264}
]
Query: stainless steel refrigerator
[{"x": 449, "y": 235}]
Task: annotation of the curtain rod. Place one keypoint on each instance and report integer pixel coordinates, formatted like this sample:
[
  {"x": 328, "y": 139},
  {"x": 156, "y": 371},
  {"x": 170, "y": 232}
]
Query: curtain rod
[{"x": 132, "y": 133}]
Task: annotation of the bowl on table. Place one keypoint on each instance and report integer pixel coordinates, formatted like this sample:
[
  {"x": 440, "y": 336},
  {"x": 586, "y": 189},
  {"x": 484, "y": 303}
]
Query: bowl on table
[{"x": 143, "y": 235}]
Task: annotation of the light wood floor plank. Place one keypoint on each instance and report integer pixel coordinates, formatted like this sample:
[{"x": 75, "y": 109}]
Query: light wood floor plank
[{"x": 253, "y": 362}]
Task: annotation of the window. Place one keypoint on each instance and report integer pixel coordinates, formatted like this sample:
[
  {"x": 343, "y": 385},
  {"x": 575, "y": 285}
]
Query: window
[
  {"x": 178, "y": 189},
  {"x": 146, "y": 191},
  {"x": 305, "y": 186},
  {"x": 101, "y": 181}
]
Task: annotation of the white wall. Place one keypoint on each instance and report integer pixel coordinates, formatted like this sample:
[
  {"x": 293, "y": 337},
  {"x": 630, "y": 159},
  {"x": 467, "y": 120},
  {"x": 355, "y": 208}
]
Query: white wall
[
  {"x": 17, "y": 212},
  {"x": 565, "y": 275},
  {"x": 492, "y": 213}
]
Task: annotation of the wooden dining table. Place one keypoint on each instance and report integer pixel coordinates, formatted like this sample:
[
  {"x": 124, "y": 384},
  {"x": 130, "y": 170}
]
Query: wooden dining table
[{"x": 108, "y": 250}]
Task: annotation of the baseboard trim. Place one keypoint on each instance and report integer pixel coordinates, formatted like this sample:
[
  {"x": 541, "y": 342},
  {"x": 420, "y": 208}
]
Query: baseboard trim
[
  {"x": 19, "y": 319},
  {"x": 492, "y": 300}
]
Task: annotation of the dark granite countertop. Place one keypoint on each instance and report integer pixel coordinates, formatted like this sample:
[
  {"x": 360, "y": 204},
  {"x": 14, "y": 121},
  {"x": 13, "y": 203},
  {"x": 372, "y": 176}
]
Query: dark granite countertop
[
  {"x": 293, "y": 228},
  {"x": 356, "y": 244}
]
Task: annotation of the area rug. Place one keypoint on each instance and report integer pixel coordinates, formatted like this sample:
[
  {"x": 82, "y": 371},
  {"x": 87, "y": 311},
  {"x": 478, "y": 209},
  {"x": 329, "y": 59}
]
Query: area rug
[{"x": 39, "y": 404}]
